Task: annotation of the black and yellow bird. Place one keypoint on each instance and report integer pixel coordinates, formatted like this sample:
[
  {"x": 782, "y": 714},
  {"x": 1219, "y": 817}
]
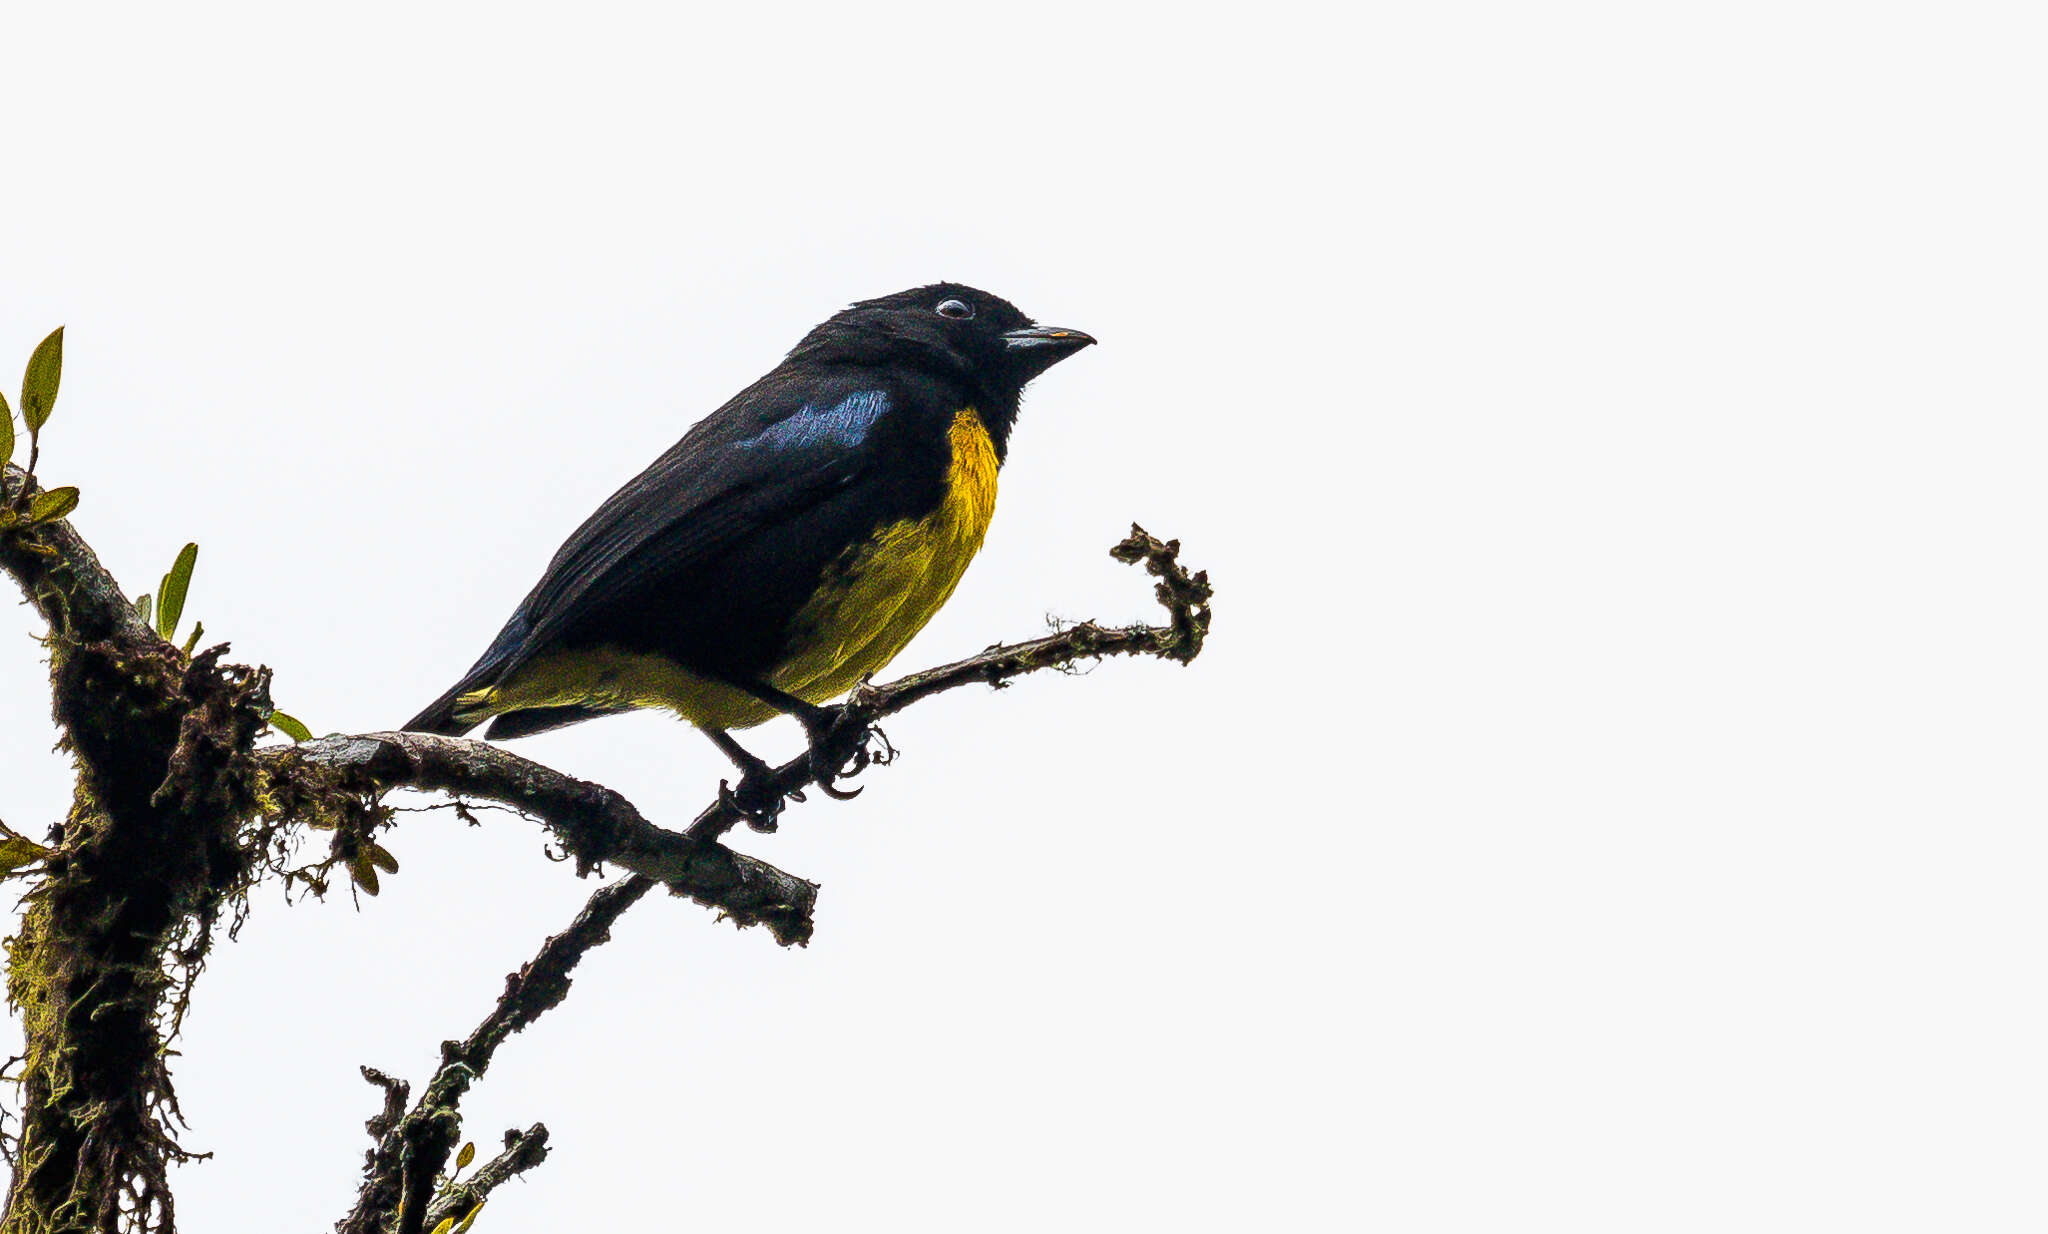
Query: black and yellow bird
[{"x": 792, "y": 542}]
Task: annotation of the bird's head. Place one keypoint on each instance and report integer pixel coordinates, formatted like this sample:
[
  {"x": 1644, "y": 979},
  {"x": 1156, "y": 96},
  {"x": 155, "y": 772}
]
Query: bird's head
[{"x": 948, "y": 327}]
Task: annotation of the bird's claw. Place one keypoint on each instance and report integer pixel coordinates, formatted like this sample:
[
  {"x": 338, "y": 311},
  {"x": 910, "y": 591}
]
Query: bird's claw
[
  {"x": 839, "y": 750},
  {"x": 836, "y": 794}
]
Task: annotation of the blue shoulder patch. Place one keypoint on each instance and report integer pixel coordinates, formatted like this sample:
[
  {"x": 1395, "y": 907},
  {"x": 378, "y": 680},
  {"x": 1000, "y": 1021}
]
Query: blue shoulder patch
[{"x": 844, "y": 424}]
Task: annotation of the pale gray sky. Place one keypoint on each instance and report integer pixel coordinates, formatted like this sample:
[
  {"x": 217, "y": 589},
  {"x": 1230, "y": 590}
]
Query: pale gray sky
[{"x": 1611, "y": 800}]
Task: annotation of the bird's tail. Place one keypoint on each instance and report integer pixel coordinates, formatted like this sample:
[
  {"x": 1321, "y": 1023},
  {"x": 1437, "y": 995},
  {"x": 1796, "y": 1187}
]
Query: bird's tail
[
  {"x": 440, "y": 716},
  {"x": 447, "y": 715}
]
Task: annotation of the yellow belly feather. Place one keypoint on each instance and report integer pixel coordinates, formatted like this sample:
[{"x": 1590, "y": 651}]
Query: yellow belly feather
[{"x": 873, "y": 601}]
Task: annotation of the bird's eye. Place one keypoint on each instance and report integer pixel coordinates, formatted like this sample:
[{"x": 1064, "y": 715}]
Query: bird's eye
[{"x": 958, "y": 310}]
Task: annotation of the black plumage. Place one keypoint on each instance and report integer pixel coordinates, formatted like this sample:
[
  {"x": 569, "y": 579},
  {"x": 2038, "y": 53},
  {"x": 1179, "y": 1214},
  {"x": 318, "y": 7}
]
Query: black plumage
[{"x": 719, "y": 562}]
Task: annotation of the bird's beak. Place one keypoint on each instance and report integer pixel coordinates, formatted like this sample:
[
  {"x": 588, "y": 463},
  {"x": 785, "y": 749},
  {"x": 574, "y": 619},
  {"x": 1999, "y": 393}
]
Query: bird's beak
[
  {"x": 1035, "y": 349},
  {"x": 1058, "y": 338}
]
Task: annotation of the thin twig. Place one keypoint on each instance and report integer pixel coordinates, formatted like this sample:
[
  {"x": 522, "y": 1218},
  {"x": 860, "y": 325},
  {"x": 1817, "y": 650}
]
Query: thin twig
[{"x": 413, "y": 1148}]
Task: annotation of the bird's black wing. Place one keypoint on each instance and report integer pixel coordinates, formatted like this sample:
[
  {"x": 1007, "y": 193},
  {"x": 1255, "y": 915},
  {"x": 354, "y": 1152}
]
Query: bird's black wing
[{"x": 779, "y": 450}]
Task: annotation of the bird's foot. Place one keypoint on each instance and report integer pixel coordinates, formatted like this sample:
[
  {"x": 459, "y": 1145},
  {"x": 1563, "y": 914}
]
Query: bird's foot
[
  {"x": 840, "y": 748},
  {"x": 754, "y": 800}
]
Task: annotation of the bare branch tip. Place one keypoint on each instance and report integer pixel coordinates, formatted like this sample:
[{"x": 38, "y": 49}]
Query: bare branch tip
[{"x": 1185, "y": 596}]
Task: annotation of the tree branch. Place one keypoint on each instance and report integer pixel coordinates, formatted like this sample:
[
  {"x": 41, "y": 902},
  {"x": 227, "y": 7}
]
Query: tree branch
[
  {"x": 413, "y": 1148},
  {"x": 61, "y": 575},
  {"x": 523, "y": 1151},
  {"x": 593, "y": 823}
]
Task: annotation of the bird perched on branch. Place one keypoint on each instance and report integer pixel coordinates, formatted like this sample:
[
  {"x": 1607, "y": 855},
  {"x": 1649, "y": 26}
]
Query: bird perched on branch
[{"x": 791, "y": 543}]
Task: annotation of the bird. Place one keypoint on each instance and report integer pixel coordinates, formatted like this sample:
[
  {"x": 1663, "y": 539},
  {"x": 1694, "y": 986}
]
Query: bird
[{"x": 786, "y": 548}]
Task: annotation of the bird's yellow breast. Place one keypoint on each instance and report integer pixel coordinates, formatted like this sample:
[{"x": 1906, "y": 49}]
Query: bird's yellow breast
[
  {"x": 868, "y": 605},
  {"x": 876, "y": 597}
]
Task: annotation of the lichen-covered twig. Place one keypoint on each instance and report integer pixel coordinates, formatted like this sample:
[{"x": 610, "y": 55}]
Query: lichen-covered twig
[
  {"x": 523, "y": 1151},
  {"x": 412, "y": 1148}
]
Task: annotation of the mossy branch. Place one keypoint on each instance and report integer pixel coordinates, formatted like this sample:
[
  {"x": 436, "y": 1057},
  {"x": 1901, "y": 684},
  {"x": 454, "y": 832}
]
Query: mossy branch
[
  {"x": 124, "y": 902},
  {"x": 61, "y": 575}
]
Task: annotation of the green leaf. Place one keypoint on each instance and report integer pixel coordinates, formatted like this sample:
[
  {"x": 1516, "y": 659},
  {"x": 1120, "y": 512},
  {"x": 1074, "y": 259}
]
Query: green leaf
[
  {"x": 381, "y": 857},
  {"x": 365, "y": 874},
  {"x": 170, "y": 598},
  {"x": 467, "y": 1155},
  {"x": 52, "y": 504},
  {"x": 469, "y": 1220},
  {"x": 192, "y": 639},
  {"x": 39, "y": 384},
  {"x": 6, "y": 431},
  {"x": 290, "y": 727},
  {"x": 142, "y": 607},
  {"x": 447, "y": 1224},
  {"x": 18, "y": 851}
]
